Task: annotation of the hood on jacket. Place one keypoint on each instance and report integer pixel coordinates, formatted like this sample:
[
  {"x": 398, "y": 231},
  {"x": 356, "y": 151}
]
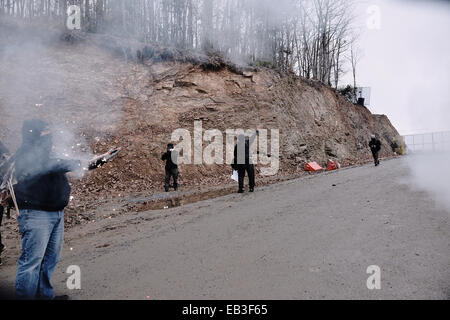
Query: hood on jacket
[
  {"x": 32, "y": 130},
  {"x": 35, "y": 151},
  {"x": 36, "y": 135}
]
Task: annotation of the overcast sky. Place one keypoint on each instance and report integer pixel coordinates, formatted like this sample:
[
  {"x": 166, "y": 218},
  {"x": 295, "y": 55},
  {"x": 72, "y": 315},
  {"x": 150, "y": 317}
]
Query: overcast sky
[{"x": 406, "y": 62}]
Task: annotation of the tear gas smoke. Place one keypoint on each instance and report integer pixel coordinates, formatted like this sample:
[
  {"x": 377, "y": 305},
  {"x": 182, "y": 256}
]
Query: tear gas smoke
[
  {"x": 430, "y": 173},
  {"x": 42, "y": 77}
]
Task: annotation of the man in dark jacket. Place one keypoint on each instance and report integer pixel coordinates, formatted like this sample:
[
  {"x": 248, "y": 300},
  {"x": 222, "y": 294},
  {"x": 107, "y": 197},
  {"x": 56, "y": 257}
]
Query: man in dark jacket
[
  {"x": 42, "y": 192},
  {"x": 375, "y": 147},
  {"x": 171, "y": 158},
  {"x": 242, "y": 162},
  {"x": 38, "y": 184}
]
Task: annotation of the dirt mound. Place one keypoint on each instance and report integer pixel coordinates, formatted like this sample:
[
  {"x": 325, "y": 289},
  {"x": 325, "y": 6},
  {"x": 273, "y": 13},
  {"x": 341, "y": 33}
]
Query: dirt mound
[
  {"x": 315, "y": 123},
  {"x": 138, "y": 103}
]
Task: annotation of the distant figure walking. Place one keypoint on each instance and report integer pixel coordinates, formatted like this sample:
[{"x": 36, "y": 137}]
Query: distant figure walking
[
  {"x": 375, "y": 147},
  {"x": 171, "y": 158}
]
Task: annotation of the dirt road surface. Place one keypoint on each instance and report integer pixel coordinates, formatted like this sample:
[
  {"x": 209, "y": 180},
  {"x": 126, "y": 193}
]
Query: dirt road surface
[{"x": 310, "y": 238}]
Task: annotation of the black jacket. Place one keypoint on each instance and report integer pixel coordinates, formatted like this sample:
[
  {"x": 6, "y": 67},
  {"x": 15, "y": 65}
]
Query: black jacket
[
  {"x": 168, "y": 158},
  {"x": 375, "y": 145},
  {"x": 46, "y": 190},
  {"x": 42, "y": 183},
  {"x": 237, "y": 162}
]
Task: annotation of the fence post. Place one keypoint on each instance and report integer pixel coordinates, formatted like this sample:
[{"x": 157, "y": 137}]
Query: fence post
[{"x": 432, "y": 141}]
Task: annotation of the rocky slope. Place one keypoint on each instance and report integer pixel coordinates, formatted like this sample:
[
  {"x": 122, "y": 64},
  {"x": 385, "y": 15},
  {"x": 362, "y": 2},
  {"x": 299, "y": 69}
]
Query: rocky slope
[{"x": 107, "y": 99}]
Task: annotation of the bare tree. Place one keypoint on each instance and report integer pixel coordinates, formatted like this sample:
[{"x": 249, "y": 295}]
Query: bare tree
[
  {"x": 309, "y": 37},
  {"x": 354, "y": 58}
]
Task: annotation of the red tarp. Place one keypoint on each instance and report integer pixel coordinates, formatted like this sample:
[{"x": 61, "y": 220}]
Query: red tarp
[
  {"x": 331, "y": 165},
  {"x": 313, "y": 167}
]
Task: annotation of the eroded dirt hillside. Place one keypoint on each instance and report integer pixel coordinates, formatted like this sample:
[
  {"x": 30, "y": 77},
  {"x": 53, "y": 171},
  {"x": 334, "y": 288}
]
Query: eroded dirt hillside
[
  {"x": 111, "y": 101},
  {"x": 315, "y": 123}
]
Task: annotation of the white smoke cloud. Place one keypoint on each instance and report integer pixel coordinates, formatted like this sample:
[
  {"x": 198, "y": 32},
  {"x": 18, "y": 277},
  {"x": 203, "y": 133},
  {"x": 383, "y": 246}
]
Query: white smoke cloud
[
  {"x": 430, "y": 172},
  {"x": 40, "y": 77},
  {"x": 406, "y": 63}
]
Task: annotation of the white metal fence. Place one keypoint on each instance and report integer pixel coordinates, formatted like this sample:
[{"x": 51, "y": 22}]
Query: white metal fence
[{"x": 427, "y": 142}]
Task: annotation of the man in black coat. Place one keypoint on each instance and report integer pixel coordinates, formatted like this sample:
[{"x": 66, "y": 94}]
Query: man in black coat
[
  {"x": 375, "y": 147},
  {"x": 171, "y": 158},
  {"x": 242, "y": 161},
  {"x": 41, "y": 191},
  {"x": 38, "y": 184}
]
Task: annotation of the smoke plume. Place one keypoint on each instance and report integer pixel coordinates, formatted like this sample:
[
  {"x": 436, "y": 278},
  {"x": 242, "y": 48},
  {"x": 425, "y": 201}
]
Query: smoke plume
[{"x": 43, "y": 77}]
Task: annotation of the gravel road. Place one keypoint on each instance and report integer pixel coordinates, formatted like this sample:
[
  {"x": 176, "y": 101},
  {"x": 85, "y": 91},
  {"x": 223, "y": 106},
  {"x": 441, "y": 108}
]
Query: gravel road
[{"x": 310, "y": 238}]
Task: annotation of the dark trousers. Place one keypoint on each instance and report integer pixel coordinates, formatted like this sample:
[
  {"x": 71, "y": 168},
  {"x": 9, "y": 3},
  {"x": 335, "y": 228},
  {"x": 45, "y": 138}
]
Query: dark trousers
[
  {"x": 375, "y": 157},
  {"x": 250, "y": 168},
  {"x": 174, "y": 174}
]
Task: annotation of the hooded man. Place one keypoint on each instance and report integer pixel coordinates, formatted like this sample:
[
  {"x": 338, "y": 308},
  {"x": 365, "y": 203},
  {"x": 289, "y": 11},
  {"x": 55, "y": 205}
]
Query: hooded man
[
  {"x": 171, "y": 158},
  {"x": 375, "y": 147},
  {"x": 38, "y": 184},
  {"x": 42, "y": 191},
  {"x": 243, "y": 161}
]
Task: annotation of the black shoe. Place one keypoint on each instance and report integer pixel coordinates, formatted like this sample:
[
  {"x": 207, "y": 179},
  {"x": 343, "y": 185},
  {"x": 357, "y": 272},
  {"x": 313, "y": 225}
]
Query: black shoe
[
  {"x": 240, "y": 191},
  {"x": 64, "y": 297},
  {"x": 252, "y": 190}
]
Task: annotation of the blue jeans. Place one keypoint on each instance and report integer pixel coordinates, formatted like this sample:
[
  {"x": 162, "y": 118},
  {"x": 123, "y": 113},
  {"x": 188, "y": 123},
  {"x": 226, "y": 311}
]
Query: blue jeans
[{"x": 42, "y": 239}]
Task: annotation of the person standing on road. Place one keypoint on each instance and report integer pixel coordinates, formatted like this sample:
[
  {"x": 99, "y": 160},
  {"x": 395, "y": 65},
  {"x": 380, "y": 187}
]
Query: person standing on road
[
  {"x": 39, "y": 186},
  {"x": 375, "y": 147},
  {"x": 243, "y": 161},
  {"x": 171, "y": 158},
  {"x": 42, "y": 192}
]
